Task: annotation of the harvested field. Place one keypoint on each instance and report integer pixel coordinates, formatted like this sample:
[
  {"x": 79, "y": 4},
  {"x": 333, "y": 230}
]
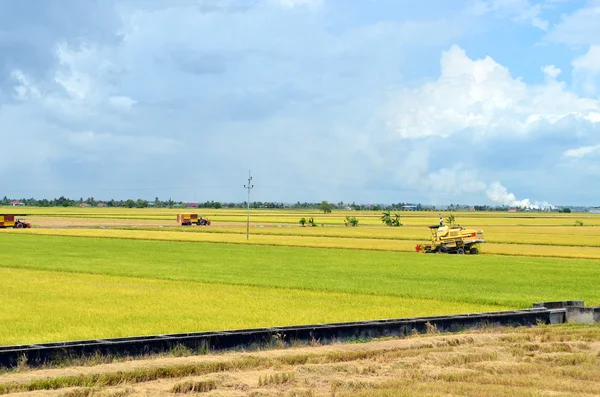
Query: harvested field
[{"x": 557, "y": 360}]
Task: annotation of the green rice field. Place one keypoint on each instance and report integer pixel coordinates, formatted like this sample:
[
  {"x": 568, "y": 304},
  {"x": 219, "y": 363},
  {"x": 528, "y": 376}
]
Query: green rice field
[{"x": 99, "y": 273}]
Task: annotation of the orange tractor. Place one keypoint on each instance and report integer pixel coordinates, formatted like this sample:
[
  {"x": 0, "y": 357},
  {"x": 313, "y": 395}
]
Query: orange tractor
[
  {"x": 192, "y": 219},
  {"x": 11, "y": 221}
]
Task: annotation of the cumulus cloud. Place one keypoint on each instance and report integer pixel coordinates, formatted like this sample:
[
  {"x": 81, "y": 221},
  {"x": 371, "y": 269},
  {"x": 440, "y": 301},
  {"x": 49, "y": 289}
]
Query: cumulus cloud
[
  {"x": 586, "y": 71},
  {"x": 477, "y": 119},
  {"x": 551, "y": 71},
  {"x": 481, "y": 95}
]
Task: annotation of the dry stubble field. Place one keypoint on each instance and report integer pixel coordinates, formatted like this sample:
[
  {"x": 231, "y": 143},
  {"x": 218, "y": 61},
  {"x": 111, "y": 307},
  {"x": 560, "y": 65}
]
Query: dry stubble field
[{"x": 543, "y": 361}]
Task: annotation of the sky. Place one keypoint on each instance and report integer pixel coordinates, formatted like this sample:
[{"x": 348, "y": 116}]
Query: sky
[{"x": 367, "y": 101}]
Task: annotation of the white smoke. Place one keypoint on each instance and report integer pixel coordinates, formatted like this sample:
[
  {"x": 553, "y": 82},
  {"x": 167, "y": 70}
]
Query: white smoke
[{"x": 499, "y": 194}]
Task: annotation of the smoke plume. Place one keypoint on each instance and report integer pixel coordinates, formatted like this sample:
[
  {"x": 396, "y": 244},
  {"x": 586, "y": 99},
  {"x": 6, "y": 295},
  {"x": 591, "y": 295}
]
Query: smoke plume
[{"x": 499, "y": 194}]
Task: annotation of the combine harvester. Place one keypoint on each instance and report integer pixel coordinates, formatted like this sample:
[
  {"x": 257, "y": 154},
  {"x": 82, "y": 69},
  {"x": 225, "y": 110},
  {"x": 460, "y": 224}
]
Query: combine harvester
[
  {"x": 10, "y": 221},
  {"x": 192, "y": 219},
  {"x": 452, "y": 240}
]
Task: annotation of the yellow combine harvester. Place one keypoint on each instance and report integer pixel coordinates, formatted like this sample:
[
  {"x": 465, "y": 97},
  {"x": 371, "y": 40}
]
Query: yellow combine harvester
[{"x": 452, "y": 240}]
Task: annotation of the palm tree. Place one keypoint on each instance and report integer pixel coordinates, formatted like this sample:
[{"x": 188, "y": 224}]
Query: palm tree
[{"x": 387, "y": 218}]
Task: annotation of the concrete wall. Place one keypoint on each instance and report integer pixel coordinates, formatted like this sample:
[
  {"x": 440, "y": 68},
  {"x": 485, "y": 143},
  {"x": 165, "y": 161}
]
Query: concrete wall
[{"x": 253, "y": 338}]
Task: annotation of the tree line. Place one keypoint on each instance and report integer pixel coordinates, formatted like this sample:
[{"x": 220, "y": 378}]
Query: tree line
[{"x": 324, "y": 206}]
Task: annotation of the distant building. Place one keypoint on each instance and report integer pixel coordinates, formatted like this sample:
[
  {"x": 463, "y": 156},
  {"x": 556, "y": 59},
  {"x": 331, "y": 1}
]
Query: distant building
[
  {"x": 101, "y": 204},
  {"x": 512, "y": 210},
  {"x": 84, "y": 205},
  {"x": 16, "y": 203},
  {"x": 594, "y": 210},
  {"x": 410, "y": 207},
  {"x": 191, "y": 205}
]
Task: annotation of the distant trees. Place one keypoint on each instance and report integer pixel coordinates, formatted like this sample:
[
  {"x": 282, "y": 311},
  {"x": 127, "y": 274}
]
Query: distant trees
[{"x": 326, "y": 207}]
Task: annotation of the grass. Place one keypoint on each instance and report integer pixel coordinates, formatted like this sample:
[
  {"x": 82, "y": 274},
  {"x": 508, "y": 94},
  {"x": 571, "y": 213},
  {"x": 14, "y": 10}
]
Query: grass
[
  {"x": 83, "y": 306},
  {"x": 98, "y": 287}
]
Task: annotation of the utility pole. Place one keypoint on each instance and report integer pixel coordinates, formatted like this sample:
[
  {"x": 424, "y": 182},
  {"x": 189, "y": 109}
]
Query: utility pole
[{"x": 249, "y": 187}]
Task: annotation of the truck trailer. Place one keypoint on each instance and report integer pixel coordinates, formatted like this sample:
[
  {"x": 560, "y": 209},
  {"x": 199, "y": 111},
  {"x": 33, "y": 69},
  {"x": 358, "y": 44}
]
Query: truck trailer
[
  {"x": 7, "y": 220},
  {"x": 192, "y": 219}
]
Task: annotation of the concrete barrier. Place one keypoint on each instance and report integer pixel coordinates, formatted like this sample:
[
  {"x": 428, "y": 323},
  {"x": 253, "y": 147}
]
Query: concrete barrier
[
  {"x": 51, "y": 353},
  {"x": 575, "y": 311}
]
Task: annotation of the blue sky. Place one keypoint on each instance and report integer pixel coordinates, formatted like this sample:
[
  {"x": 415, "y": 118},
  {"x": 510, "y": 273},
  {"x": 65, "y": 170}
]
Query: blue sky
[{"x": 438, "y": 102}]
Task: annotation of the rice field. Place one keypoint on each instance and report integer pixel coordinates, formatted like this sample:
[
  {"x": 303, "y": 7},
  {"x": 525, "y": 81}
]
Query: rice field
[
  {"x": 167, "y": 216},
  {"x": 84, "y": 273}
]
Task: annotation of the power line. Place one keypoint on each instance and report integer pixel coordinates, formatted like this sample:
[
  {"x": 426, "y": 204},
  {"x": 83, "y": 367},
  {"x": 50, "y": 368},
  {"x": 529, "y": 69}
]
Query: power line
[{"x": 249, "y": 187}]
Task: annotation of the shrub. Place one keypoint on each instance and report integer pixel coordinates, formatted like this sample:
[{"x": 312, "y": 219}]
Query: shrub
[
  {"x": 391, "y": 220},
  {"x": 351, "y": 221}
]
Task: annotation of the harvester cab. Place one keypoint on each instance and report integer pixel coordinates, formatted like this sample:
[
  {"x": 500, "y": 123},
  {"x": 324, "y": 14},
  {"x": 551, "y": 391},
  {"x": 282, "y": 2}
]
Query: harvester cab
[{"x": 452, "y": 240}]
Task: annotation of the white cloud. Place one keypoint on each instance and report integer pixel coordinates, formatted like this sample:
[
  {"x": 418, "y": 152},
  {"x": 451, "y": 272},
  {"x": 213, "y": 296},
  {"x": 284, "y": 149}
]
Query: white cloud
[
  {"x": 299, "y": 3},
  {"x": 305, "y": 90},
  {"x": 581, "y": 151},
  {"x": 456, "y": 180},
  {"x": 481, "y": 96},
  {"x": 580, "y": 27},
  {"x": 586, "y": 71},
  {"x": 122, "y": 102},
  {"x": 25, "y": 89},
  {"x": 516, "y": 10},
  {"x": 551, "y": 71}
]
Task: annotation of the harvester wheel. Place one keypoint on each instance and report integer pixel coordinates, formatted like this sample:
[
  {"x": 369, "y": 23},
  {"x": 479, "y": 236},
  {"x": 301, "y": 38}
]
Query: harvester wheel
[
  {"x": 474, "y": 251},
  {"x": 460, "y": 251}
]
